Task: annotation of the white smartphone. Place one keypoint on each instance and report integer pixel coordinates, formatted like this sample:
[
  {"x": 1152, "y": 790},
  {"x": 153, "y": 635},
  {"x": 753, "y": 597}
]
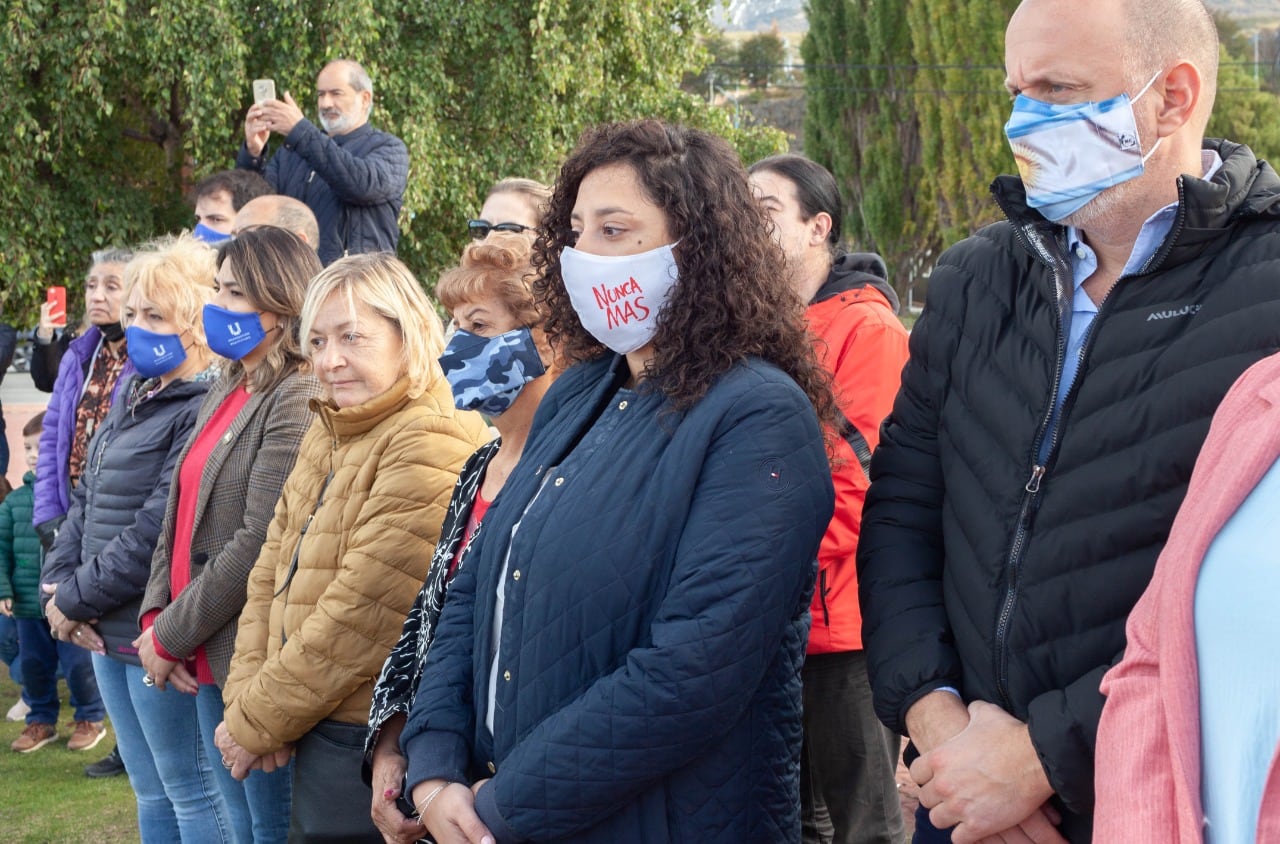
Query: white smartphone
[{"x": 263, "y": 90}]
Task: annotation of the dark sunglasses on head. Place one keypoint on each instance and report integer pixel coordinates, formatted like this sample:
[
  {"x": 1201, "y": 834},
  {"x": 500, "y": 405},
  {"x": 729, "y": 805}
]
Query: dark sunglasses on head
[{"x": 479, "y": 229}]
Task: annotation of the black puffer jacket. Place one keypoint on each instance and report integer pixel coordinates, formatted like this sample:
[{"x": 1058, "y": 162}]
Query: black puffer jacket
[
  {"x": 354, "y": 183},
  {"x": 1011, "y": 583},
  {"x": 102, "y": 557}
]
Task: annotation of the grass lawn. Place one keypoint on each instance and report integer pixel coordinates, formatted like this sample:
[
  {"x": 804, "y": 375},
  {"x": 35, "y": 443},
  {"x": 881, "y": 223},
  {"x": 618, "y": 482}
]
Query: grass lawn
[{"x": 48, "y": 798}]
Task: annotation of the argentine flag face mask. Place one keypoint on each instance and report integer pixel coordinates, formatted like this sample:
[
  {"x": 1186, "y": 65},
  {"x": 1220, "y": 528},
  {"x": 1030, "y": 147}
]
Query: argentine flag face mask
[{"x": 1068, "y": 154}]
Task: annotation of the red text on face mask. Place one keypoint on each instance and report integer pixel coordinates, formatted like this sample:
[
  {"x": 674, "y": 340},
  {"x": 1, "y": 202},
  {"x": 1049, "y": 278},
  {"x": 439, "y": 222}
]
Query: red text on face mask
[{"x": 623, "y": 303}]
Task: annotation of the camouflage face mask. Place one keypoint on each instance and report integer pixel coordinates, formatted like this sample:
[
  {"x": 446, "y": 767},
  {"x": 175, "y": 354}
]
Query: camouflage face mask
[{"x": 487, "y": 373}]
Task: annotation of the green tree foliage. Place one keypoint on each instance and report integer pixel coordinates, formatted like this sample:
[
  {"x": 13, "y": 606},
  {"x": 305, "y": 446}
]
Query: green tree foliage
[
  {"x": 1243, "y": 112},
  {"x": 720, "y": 70},
  {"x": 915, "y": 170},
  {"x": 116, "y": 107},
  {"x": 912, "y": 133},
  {"x": 861, "y": 123},
  {"x": 761, "y": 57},
  {"x": 962, "y": 108}
]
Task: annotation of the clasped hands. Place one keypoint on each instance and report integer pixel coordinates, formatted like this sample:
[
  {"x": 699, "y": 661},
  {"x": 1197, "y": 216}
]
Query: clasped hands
[
  {"x": 239, "y": 762},
  {"x": 979, "y": 773},
  {"x": 450, "y": 815},
  {"x": 69, "y": 630}
]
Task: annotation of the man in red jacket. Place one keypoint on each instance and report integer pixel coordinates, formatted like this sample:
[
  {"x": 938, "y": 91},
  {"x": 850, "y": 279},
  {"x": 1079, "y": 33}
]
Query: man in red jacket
[{"x": 847, "y": 787}]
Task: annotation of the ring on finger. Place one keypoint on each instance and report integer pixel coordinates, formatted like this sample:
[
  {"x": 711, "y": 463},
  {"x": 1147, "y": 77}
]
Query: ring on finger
[{"x": 148, "y": 680}]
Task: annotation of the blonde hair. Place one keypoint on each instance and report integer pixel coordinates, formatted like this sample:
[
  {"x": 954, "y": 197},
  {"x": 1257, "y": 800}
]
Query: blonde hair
[
  {"x": 176, "y": 273},
  {"x": 497, "y": 266},
  {"x": 536, "y": 194},
  {"x": 382, "y": 283}
]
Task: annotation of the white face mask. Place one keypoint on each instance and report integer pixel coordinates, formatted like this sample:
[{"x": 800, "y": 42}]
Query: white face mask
[
  {"x": 618, "y": 297},
  {"x": 1068, "y": 154}
]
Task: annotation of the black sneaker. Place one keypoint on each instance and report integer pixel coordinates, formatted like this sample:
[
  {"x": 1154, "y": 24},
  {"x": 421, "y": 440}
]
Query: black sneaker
[{"x": 110, "y": 765}]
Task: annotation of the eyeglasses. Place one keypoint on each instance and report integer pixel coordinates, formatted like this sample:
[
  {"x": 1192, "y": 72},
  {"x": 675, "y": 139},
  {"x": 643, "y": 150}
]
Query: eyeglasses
[{"x": 479, "y": 229}]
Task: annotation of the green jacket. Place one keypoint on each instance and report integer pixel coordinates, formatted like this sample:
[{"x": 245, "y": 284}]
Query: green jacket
[{"x": 20, "y": 554}]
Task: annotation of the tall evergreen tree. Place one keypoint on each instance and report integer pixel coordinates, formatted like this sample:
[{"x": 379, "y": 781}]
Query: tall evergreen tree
[
  {"x": 962, "y": 107},
  {"x": 860, "y": 123}
]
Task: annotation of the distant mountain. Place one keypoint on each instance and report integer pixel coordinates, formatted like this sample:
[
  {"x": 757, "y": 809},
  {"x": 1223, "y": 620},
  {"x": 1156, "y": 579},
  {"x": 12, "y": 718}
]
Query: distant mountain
[
  {"x": 789, "y": 15},
  {"x": 759, "y": 15}
]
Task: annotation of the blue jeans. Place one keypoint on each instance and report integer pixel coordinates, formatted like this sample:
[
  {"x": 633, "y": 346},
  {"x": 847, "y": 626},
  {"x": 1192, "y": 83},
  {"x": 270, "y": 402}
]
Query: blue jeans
[
  {"x": 258, "y": 806},
  {"x": 160, "y": 744},
  {"x": 9, "y": 647},
  {"x": 41, "y": 654}
]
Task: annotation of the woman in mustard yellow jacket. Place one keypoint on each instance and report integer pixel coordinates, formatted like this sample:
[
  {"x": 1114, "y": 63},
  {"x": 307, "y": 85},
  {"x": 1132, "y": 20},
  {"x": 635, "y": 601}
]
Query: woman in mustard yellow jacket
[{"x": 350, "y": 542}]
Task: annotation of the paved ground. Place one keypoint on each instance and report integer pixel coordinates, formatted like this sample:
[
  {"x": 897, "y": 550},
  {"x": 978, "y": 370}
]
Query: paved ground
[{"x": 21, "y": 400}]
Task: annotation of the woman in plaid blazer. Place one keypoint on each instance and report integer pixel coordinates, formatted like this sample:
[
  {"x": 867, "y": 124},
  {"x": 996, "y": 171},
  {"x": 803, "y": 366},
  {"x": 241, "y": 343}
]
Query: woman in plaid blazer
[{"x": 224, "y": 492}]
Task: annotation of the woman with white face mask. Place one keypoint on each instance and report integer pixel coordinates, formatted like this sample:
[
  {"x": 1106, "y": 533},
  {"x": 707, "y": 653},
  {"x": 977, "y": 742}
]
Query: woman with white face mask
[
  {"x": 497, "y": 363},
  {"x": 619, "y": 658}
]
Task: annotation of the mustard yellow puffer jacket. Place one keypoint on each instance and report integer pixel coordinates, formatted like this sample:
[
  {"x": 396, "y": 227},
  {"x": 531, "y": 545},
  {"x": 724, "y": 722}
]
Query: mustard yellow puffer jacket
[{"x": 312, "y": 641}]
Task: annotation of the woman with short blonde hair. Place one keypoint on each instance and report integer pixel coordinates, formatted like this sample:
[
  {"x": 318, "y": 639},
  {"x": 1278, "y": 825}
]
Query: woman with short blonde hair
[
  {"x": 101, "y": 558},
  {"x": 350, "y": 542},
  {"x": 498, "y": 362},
  {"x": 380, "y": 283}
]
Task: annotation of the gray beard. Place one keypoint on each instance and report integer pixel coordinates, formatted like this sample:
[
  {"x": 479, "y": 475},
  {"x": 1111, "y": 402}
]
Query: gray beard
[{"x": 338, "y": 125}]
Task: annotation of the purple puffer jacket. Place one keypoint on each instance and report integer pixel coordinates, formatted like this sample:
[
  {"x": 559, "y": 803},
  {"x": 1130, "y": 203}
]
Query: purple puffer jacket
[{"x": 53, "y": 474}]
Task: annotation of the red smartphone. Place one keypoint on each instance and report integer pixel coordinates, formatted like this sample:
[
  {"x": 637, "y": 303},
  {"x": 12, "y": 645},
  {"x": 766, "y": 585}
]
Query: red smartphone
[{"x": 57, "y": 299}]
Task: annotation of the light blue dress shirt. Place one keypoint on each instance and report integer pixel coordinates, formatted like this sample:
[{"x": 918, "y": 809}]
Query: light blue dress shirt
[
  {"x": 1237, "y": 640},
  {"x": 1084, "y": 263}
]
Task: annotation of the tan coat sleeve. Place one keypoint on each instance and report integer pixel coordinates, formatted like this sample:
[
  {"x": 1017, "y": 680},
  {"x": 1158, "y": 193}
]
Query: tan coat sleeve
[{"x": 346, "y": 638}]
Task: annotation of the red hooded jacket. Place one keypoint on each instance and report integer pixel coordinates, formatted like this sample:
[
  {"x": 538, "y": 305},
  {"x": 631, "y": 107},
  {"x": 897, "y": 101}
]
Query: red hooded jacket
[{"x": 860, "y": 341}]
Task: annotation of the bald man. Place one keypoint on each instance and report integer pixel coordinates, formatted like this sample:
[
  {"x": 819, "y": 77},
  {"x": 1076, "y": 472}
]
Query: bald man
[
  {"x": 1060, "y": 384},
  {"x": 351, "y": 175},
  {"x": 281, "y": 212}
]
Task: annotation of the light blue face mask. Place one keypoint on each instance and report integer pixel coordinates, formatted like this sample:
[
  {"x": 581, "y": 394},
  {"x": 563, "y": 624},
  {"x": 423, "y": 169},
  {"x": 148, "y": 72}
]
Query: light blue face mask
[{"x": 1068, "y": 154}]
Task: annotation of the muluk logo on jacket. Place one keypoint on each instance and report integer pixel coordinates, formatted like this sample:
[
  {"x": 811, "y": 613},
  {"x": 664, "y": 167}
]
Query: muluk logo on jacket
[{"x": 618, "y": 297}]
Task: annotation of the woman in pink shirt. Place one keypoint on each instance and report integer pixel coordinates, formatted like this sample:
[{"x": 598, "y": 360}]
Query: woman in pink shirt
[
  {"x": 1189, "y": 741},
  {"x": 223, "y": 495}
]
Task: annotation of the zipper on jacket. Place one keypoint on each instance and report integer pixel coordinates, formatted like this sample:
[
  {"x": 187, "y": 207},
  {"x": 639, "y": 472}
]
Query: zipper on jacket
[
  {"x": 822, "y": 592},
  {"x": 1034, "y": 482},
  {"x": 1035, "y": 479}
]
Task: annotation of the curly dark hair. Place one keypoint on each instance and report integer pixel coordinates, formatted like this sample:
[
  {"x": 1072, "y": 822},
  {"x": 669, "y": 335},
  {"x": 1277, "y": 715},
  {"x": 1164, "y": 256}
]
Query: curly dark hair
[{"x": 732, "y": 301}]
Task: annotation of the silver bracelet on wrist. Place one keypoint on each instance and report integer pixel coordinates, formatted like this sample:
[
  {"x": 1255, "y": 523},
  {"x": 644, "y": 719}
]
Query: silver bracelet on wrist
[{"x": 422, "y": 807}]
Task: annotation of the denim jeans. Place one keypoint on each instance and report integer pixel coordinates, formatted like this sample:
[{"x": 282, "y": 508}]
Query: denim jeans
[
  {"x": 9, "y": 647},
  {"x": 41, "y": 655},
  {"x": 159, "y": 741},
  {"x": 259, "y": 806}
]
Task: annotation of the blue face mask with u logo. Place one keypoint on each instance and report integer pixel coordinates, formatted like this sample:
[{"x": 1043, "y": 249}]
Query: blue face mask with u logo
[
  {"x": 153, "y": 354},
  {"x": 488, "y": 373},
  {"x": 232, "y": 334},
  {"x": 1068, "y": 154}
]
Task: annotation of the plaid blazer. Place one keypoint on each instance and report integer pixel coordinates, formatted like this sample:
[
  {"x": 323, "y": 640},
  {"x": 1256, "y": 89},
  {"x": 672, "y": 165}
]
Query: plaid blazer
[{"x": 239, "y": 488}]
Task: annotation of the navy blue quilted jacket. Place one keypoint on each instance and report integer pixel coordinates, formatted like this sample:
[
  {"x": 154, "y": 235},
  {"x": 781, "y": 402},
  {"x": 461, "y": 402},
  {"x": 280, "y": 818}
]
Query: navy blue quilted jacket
[
  {"x": 102, "y": 557},
  {"x": 656, "y": 612},
  {"x": 353, "y": 182}
]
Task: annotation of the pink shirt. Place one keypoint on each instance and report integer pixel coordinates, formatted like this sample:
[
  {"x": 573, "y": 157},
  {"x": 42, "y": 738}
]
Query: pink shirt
[
  {"x": 1148, "y": 761},
  {"x": 188, "y": 491}
]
